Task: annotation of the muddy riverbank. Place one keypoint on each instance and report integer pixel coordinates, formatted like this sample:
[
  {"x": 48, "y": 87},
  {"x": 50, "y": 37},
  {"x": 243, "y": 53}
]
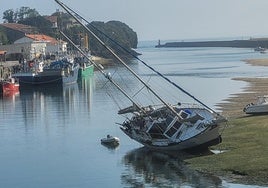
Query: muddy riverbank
[{"x": 245, "y": 137}]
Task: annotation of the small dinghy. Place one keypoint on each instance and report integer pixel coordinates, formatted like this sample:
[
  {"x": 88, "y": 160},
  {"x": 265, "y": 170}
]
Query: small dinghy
[
  {"x": 110, "y": 140},
  {"x": 259, "y": 107}
]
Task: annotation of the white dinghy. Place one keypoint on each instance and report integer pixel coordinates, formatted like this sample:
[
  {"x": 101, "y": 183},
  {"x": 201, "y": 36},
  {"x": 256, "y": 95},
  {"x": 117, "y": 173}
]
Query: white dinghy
[
  {"x": 259, "y": 107},
  {"x": 110, "y": 140}
]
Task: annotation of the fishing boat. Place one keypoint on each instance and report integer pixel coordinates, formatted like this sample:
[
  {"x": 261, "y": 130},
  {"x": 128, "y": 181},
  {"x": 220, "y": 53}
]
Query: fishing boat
[
  {"x": 162, "y": 125},
  {"x": 61, "y": 72},
  {"x": 8, "y": 84},
  {"x": 86, "y": 68},
  {"x": 259, "y": 107}
]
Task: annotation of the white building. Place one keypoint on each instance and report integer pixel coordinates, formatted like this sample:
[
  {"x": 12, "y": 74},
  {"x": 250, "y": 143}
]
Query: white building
[
  {"x": 53, "y": 46},
  {"x": 33, "y": 45}
]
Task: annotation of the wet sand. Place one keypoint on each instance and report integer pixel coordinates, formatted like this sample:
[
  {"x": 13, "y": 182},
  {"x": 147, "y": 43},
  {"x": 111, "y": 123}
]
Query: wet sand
[{"x": 233, "y": 106}]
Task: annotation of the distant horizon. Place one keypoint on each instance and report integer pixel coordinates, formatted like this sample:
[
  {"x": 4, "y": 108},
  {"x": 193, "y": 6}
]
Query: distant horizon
[
  {"x": 206, "y": 39},
  {"x": 172, "y": 20}
]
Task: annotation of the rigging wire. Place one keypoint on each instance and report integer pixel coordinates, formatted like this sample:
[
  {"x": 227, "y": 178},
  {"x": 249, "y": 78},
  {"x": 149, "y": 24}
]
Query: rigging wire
[
  {"x": 140, "y": 60},
  {"x": 74, "y": 15}
]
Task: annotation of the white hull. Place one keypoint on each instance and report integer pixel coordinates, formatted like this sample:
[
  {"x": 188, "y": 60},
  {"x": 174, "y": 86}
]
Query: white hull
[
  {"x": 202, "y": 139},
  {"x": 192, "y": 131},
  {"x": 110, "y": 140},
  {"x": 257, "y": 109},
  {"x": 196, "y": 141},
  {"x": 260, "y": 107}
]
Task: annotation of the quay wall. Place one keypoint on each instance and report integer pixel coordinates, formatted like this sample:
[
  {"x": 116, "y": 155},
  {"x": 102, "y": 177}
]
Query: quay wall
[{"x": 232, "y": 43}]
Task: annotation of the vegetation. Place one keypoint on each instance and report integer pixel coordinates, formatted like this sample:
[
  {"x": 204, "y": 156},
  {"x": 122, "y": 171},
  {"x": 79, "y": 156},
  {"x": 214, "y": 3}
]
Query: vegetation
[
  {"x": 11, "y": 16},
  {"x": 43, "y": 25},
  {"x": 116, "y": 30},
  {"x": 245, "y": 159}
]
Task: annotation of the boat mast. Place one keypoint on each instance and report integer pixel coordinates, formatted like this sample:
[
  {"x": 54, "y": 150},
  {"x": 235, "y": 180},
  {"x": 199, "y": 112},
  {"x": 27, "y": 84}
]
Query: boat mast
[
  {"x": 148, "y": 66},
  {"x": 71, "y": 12},
  {"x": 106, "y": 75}
]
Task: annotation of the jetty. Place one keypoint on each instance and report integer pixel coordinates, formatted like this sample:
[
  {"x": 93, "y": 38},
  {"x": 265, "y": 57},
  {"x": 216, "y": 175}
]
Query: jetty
[{"x": 250, "y": 43}]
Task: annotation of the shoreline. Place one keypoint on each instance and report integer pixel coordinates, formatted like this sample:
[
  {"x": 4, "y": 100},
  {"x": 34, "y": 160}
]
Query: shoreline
[
  {"x": 245, "y": 137},
  {"x": 232, "y": 107}
]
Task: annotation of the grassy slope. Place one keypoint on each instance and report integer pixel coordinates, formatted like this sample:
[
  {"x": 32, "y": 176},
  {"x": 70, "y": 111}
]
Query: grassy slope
[{"x": 246, "y": 140}]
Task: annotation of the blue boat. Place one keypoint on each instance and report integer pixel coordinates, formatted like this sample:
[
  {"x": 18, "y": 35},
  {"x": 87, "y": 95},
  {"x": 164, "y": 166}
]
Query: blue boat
[{"x": 62, "y": 72}]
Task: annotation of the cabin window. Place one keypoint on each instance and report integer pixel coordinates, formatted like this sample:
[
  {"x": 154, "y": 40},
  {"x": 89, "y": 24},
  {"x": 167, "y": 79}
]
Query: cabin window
[
  {"x": 183, "y": 114},
  {"x": 173, "y": 129},
  {"x": 169, "y": 120},
  {"x": 157, "y": 130}
]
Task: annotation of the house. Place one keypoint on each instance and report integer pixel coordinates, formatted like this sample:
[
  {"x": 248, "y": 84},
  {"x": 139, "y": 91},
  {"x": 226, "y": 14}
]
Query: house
[
  {"x": 53, "y": 46},
  {"x": 28, "y": 50},
  {"x": 33, "y": 45}
]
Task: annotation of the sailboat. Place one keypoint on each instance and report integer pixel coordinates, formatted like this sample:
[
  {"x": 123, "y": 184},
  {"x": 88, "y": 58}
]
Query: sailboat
[{"x": 163, "y": 126}]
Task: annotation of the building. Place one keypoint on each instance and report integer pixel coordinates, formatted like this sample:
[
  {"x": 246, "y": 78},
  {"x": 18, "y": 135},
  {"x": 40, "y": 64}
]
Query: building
[
  {"x": 34, "y": 45},
  {"x": 53, "y": 46}
]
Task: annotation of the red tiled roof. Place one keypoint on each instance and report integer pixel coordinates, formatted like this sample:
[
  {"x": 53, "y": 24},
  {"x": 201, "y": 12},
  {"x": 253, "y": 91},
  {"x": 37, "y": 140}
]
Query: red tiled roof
[
  {"x": 20, "y": 27},
  {"x": 42, "y": 38}
]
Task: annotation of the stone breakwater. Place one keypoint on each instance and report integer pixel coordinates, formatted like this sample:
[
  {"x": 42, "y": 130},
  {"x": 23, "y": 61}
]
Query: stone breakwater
[{"x": 252, "y": 43}]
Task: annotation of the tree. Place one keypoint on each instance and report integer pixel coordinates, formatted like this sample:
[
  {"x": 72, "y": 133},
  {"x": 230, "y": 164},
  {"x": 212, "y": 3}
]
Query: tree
[
  {"x": 12, "y": 16},
  {"x": 9, "y": 16},
  {"x": 43, "y": 25},
  {"x": 117, "y": 31},
  {"x": 26, "y": 12}
]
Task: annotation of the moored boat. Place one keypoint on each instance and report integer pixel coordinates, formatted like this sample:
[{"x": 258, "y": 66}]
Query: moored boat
[
  {"x": 110, "y": 140},
  {"x": 86, "y": 68},
  {"x": 259, "y": 107},
  {"x": 61, "y": 72},
  {"x": 259, "y": 49},
  {"x": 8, "y": 86}
]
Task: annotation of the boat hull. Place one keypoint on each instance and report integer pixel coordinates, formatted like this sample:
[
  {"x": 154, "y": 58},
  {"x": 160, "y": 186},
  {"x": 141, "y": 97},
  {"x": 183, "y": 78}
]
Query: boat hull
[
  {"x": 257, "y": 109},
  {"x": 8, "y": 87},
  {"x": 85, "y": 71},
  {"x": 205, "y": 139},
  {"x": 48, "y": 77},
  {"x": 158, "y": 129}
]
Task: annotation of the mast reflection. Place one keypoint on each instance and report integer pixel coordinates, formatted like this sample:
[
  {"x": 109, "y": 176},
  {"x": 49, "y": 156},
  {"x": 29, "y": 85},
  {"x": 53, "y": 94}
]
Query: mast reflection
[{"x": 147, "y": 168}]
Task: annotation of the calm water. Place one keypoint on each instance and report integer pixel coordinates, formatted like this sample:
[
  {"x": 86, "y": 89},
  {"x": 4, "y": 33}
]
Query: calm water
[{"x": 51, "y": 137}]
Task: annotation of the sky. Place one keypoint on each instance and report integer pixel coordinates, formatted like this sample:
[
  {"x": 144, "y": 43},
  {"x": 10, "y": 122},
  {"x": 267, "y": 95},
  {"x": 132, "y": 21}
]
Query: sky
[{"x": 168, "y": 19}]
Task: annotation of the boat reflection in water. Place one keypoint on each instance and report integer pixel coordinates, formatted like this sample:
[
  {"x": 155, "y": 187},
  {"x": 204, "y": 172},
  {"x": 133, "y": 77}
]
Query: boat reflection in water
[
  {"x": 49, "y": 105},
  {"x": 147, "y": 168},
  {"x": 10, "y": 95},
  {"x": 86, "y": 85}
]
